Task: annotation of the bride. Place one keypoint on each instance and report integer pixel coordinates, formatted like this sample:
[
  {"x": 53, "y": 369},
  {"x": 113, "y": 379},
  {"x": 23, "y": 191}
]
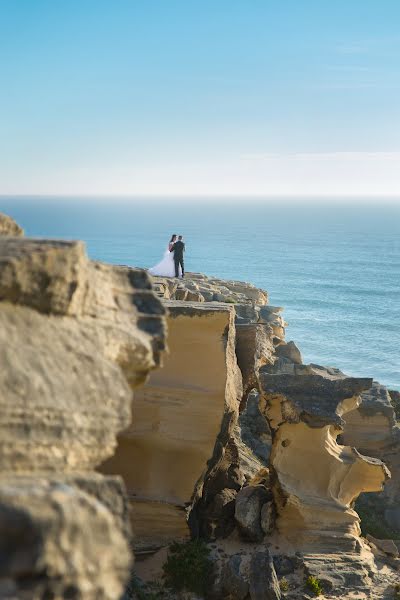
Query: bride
[{"x": 166, "y": 268}]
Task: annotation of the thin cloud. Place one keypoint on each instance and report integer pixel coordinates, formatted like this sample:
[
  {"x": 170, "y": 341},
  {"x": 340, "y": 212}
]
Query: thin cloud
[
  {"x": 352, "y": 49},
  {"x": 322, "y": 156}
]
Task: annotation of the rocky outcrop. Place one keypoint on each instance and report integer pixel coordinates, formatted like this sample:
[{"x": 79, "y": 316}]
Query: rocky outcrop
[
  {"x": 9, "y": 227},
  {"x": 76, "y": 338},
  {"x": 234, "y": 439},
  {"x": 247, "y": 576},
  {"x": 372, "y": 428},
  {"x": 197, "y": 287},
  {"x": 183, "y": 419},
  {"x": 276, "y": 471},
  {"x": 317, "y": 480}
]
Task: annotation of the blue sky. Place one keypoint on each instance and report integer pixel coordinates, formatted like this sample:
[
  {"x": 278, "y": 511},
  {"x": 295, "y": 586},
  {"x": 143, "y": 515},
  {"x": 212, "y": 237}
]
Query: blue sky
[{"x": 200, "y": 97}]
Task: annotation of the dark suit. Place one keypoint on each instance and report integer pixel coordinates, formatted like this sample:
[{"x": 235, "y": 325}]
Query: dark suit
[{"x": 178, "y": 249}]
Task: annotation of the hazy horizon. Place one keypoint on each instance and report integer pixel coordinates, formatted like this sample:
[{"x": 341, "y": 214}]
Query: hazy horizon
[{"x": 297, "y": 200}]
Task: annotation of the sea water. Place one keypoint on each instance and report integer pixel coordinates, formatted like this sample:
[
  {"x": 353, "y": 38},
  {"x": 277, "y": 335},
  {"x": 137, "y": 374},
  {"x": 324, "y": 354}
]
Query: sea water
[{"x": 335, "y": 268}]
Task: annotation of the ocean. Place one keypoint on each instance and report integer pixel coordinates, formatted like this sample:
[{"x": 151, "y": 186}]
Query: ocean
[{"x": 335, "y": 268}]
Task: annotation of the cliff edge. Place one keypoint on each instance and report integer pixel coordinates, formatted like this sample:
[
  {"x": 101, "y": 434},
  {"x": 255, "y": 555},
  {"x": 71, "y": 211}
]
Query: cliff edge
[{"x": 228, "y": 439}]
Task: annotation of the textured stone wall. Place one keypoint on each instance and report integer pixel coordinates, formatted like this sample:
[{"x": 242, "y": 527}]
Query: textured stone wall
[
  {"x": 75, "y": 338},
  {"x": 372, "y": 428},
  {"x": 178, "y": 417},
  {"x": 317, "y": 479}
]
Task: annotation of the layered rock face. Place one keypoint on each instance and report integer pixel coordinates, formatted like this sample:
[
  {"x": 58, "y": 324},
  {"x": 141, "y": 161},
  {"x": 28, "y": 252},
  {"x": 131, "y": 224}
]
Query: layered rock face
[
  {"x": 233, "y": 440},
  {"x": 317, "y": 480},
  {"x": 76, "y": 337},
  {"x": 274, "y": 470},
  {"x": 178, "y": 416},
  {"x": 372, "y": 428}
]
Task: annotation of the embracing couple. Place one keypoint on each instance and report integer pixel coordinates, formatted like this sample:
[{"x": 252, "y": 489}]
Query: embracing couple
[{"x": 172, "y": 264}]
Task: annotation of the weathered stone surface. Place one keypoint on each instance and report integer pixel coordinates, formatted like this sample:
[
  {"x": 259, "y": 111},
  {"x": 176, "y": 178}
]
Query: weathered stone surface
[
  {"x": 343, "y": 574},
  {"x": 234, "y": 582},
  {"x": 372, "y": 428},
  {"x": 52, "y": 536},
  {"x": 75, "y": 338},
  {"x": 210, "y": 289},
  {"x": 387, "y": 546},
  {"x": 9, "y": 227},
  {"x": 248, "y": 505},
  {"x": 221, "y": 512},
  {"x": 43, "y": 274},
  {"x": 267, "y": 517},
  {"x": 181, "y": 416},
  {"x": 65, "y": 364},
  {"x": 290, "y": 351},
  {"x": 285, "y": 565},
  {"x": 254, "y": 349},
  {"x": 317, "y": 479},
  {"x": 254, "y": 428},
  {"x": 264, "y": 583}
]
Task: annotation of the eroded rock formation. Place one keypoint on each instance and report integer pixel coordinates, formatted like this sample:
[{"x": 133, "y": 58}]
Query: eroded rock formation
[
  {"x": 76, "y": 337},
  {"x": 373, "y": 429},
  {"x": 178, "y": 416},
  {"x": 9, "y": 227},
  {"x": 234, "y": 439},
  {"x": 317, "y": 480},
  {"x": 279, "y": 472}
]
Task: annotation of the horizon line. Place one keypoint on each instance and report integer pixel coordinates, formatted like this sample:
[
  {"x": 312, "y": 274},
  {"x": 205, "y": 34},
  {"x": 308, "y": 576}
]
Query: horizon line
[{"x": 211, "y": 196}]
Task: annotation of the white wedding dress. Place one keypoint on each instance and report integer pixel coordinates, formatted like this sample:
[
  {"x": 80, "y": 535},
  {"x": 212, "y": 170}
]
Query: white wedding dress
[{"x": 165, "y": 268}]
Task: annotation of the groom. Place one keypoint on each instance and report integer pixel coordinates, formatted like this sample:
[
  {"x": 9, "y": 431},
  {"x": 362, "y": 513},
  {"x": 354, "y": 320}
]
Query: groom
[{"x": 178, "y": 249}]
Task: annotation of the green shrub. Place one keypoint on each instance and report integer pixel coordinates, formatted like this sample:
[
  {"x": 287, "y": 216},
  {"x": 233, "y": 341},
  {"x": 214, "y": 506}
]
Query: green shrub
[
  {"x": 188, "y": 567},
  {"x": 314, "y": 585},
  {"x": 284, "y": 585},
  {"x": 140, "y": 590}
]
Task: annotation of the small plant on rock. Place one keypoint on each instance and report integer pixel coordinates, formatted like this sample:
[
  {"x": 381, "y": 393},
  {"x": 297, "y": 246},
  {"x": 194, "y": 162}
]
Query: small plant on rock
[
  {"x": 188, "y": 567},
  {"x": 140, "y": 590},
  {"x": 284, "y": 584},
  {"x": 314, "y": 585}
]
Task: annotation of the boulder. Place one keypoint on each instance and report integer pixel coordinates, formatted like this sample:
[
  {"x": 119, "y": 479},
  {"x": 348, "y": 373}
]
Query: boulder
[
  {"x": 221, "y": 512},
  {"x": 386, "y": 546},
  {"x": 248, "y": 506},
  {"x": 235, "y": 585},
  {"x": 51, "y": 537},
  {"x": 264, "y": 584},
  {"x": 267, "y": 517},
  {"x": 290, "y": 351}
]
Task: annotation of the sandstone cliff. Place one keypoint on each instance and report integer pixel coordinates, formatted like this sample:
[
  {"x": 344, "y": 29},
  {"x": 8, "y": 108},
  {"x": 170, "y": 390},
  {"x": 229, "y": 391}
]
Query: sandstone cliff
[
  {"x": 76, "y": 337},
  {"x": 177, "y": 420},
  {"x": 265, "y": 454},
  {"x": 232, "y": 439}
]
